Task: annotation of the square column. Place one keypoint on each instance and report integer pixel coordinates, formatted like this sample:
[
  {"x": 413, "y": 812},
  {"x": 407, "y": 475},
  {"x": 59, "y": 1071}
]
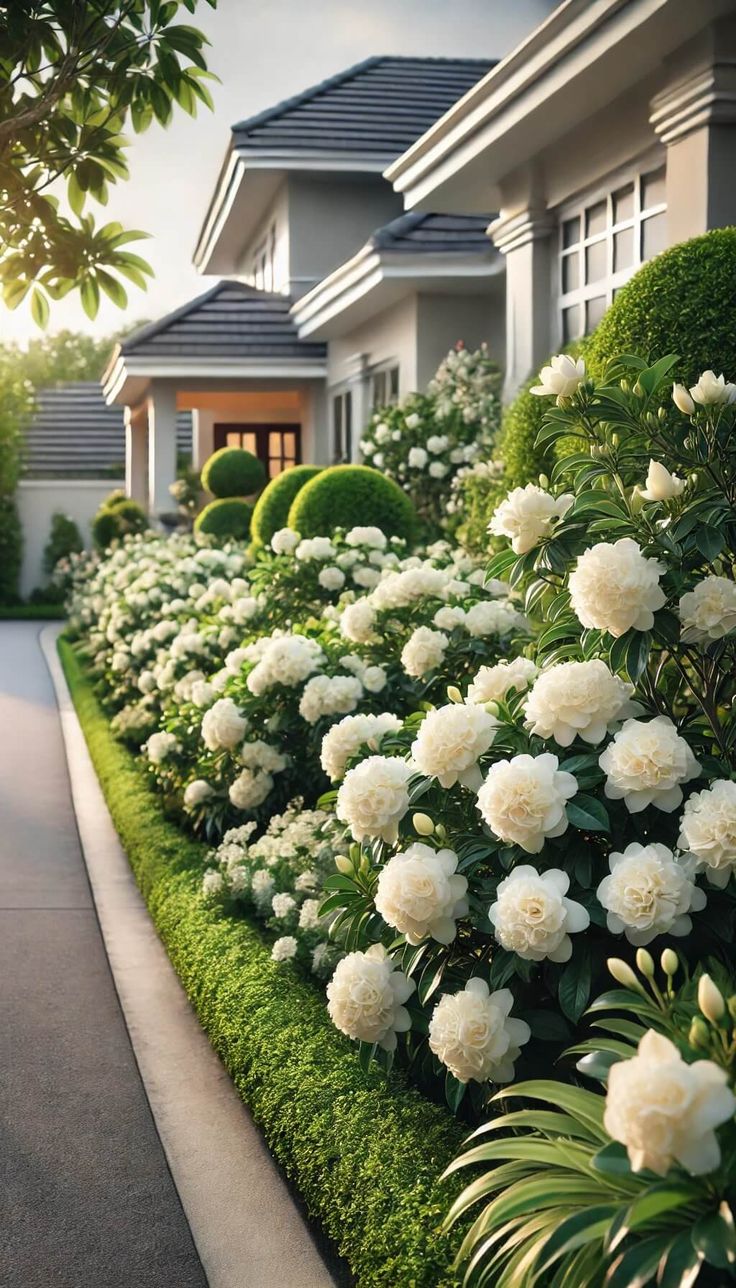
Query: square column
[
  {"x": 203, "y": 436},
  {"x": 161, "y": 448},
  {"x": 525, "y": 240},
  {"x": 136, "y": 454}
]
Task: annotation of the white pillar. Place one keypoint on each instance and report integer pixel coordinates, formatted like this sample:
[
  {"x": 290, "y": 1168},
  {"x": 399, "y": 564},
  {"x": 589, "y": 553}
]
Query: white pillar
[
  {"x": 161, "y": 448},
  {"x": 359, "y": 386},
  {"x": 525, "y": 239},
  {"x": 136, "y": 454},
  {"x": 203, "y": 436}
]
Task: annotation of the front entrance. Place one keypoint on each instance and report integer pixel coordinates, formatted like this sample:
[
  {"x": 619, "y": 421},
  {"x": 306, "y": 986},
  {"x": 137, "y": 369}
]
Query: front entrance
[{"x": 277, "y": 446}]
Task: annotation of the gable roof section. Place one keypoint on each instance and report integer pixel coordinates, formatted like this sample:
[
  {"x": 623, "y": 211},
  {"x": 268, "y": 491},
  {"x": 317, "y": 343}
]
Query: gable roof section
[{"x": 417, "y": 233}]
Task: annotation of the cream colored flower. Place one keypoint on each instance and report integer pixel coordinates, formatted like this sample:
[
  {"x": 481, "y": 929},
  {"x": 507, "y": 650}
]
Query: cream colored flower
[
  {"x": 523, "y": 800},
  {"x": 661, "y": 485},
  {"x": 494, "y": 683},
  {"x": 682, "y": 400},
  {"x": 665, "y": 1111},
  {"x": 449, "y": 742},
  {"x": 474, "y": 1034},
  {"x": 577, "y": 699},
  {"x": 250, "y": 789},
  {"x": 533, "y": 917},
  {"x": 649, "y": 893},
  {"x": 489, "y": 617},
  {"x": 223, "y": 726},
  {"x": 285, "y": 541},
  {"x": 374, "y": 797},
  {"x": 196, "y": 793},
  {"x": 712, "y": 390},
  {"x": 708, "y": 611},
  {"x": 614, "y": 588},
  {"x": 358, "y": 621},
  {"x": 646, "y": 764},
  {"x": 344, "y": 739},
  {"x": 527, "y": 515},
  {"x": 423, "y": 651},
  {"x": 561, "y": 379},
  {"x": 365, "y": 998},
  {"x": 708, "y": 830},
  {"x": 420, "y": 895},
  {"x": 160, "y": 746}
]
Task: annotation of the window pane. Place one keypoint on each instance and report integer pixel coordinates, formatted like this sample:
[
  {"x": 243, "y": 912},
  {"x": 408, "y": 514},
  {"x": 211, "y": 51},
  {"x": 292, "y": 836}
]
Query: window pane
[
  {"x": 348, "y": 435},
  {"x": 337, "y": 427},
  {"x": 623, "y": 249},
  {"x": 623, "y": 203},
  {"x": 289, "y": 441},
  {"x": 596, "y": 262},
  {"x": 571, "y": 232},
  {"x": 653, "y": 235},
  {"x": 653, "y": 188},
  {"x": 274, "y": 442},
  {"x": 596, "y": 219},
  {"x": 249, "y": 441},
  {"x": 274, "y": 467},
  {"x": 393, "y": 380},
  {"x": 570, "y": 323},
  {"x": 594, "y": 310},
  {"x": 232, "y": 438},
  {"x": 570, "y": 271}
]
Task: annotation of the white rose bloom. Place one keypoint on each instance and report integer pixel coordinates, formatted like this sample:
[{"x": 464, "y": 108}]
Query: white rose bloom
[
  {"x": 284, "y": 949},
  {"x": 708, "y": 611},
  {"x": 223, "y": 726},
  {"x": 523, "y": 800},
  {"x": 374, "y": 679},
  {"x": 494, "y": 683},
  {"x": 146, "y": 682},
  {"x": 561, "y": 379},
  {"x": 614, "y": 588},
  {"x": 235, "y": 660},
  {"x": 533, "y": 917},
  {"x": 711, "y": 390},
  {"x": 412, "y": 420},
  {"x": 420, "y": 895},
  {"x": 527, "y": 515},
  {"x": 661, "y": 485},
  {"x": 708, "y": 830},
  {"x": 423, "y": 651},
  {"x": 374, "y": 797},
  {"x": 202, "y": 693},
  {"x": 331, "y": 578},
  {"x": 372, "y": 537},
  {"x": 449, "y": 742},
  {"x": 286, "y": 659},
  {"x": 250, "y": 789},
  {"x": 358, "y": 621},
  {"x": 262, "y": 755},
  {"x": 344, "y": 740},
  {"x": 367, "y": 447},
  {"x": 665, "y": 1111},
  {"x": 649, "y": 893},
  {"x": 196, "y": 793},
  {"x": 437, "y": 443},
  {"x": 577, "y": 699},
  {"x": 212, "y": 884},
  {"x": 329, "y": 695},
  {"x": 474, "y": 1034},
  {"x": 447, "y": 617},
  {"x": 315, "y": 548},
  {"x": 382, "y": 433},
  {"x": 646, "y": 763},
  {"x": 378, "y": 460},
  {"x": 366, "y": 576},
  {"x": 282, "y": 904},
  {"x": 492, "y": 617},
  {"x": 160, "y": 746},
  {"x": 437, "y": 469},
  {"x": 417, "y": 458},
  {"x": 365, "y": 998}
]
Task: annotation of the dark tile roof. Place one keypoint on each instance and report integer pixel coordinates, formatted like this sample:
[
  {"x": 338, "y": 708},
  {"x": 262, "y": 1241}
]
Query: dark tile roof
[
  {"x": 379, "y": 107},
  {"x": 426, "y": 234},
  {"x": 74, "y": 434},
  {"x": 230, "y": 320}
]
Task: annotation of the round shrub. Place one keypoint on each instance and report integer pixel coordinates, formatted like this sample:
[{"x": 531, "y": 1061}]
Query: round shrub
[
  {"x": 345, "y": 495},
  {"x": 233, "y": 472},
  {"x": 64, "y": 539},
  {"x": 272, "y": 507},
  {"x": 228, "y": 517},
  {"x": 682, "y": 302},
  {"x": 117, "y": 521},
  {"x": 114, "y": 499}
]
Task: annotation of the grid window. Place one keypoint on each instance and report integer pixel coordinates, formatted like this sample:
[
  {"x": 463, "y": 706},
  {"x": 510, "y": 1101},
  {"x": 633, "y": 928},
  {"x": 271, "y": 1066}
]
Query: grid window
[
  {"x": 603, "y": 243},
  {"x": 277, "y": 446},
  {"x": 342, "y": 427},
  {"x": 384, "y": 387}
]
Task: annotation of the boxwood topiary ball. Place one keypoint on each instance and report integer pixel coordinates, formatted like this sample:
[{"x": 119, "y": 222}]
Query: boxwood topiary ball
[
  {"x": 117, "y": 520},
  {"x": 233, "y": 472},
  {"x": 345, "y": 495},
  {"x": 227, "y": 517},
  {"x": 272, "y": 507},
  {"x": 683, "y": 302}
]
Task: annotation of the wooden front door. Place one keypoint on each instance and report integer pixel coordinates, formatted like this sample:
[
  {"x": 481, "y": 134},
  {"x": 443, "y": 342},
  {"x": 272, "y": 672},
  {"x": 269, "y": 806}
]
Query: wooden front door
[{"x": 277, "y": 446}]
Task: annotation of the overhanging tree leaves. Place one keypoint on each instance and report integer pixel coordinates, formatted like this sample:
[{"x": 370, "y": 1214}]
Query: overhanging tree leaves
[{"x": 73, "y": 73}]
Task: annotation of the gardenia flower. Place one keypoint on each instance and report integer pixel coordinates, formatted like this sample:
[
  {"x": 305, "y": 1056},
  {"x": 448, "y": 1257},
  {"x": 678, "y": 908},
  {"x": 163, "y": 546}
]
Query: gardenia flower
[
  {"x": 577, "y": 699},
  {"x": 358, "y": 621},
  {"x": 711, "y": 390},
  {"x": 284, "y": 949},
  {"x": 661, "y": 485},
  {"x": 315, "y": 548},
  {"x": 437, "y": 443},
  {"x": 449, "y": 742},
  {"x": 286, "y": 659},
  {"x": 331, "y": 578},
  {"x": 437, "y": 469},
  {"x": 423, "y": 651},
  {"x": 417, "y": 458},
  {"x": 161, "y": 745},
  {"x": 646, "y": 763},
  {"x": 533, "y": 917},
  {"x": 649, "y": 893},
  {"x": 374, "y": 538},
  {"x": 493, "y": 683},
  {"x": 448, "y": 617},
  {"x": 665, "y": 1111},
  {"x": 250, "y": 789},
  {"x": 474, "y": 1035},
  {"x": 420, "y": 895},
  {"x": 282, "y": 905},
  {"x": 326, "y": 695},
  {"x": 344, "y": 740},
  {"x": 561, "y": 379},
  {"x": 285, "y": 541},
  {"x": 223, "y": 726},
  {"x": 412, "y": 420},
  {"x": 365, "y": 998},
  {"x": 527, "y": 515},
  {"x": 682, "y": 400},
  {"x": 523, "y": 800},
  {"x": 614, "y": 588},
  {"x": 708, "y": 830},
  {"x": 197, "y": 792},
  {"x": 708, "y": 611},
  {"x": 374, "y": 797},
  {"x": 212, "y": 884},
  {"x": 491, "y": 617}
]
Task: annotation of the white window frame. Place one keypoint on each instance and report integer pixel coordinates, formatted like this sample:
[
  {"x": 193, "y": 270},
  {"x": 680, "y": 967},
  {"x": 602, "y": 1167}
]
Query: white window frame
[
  {"x": 386, "y": 370},
  {"x": 342, "y": 433},
  {"x": 263, "y": 261},
  {"x": 607, "y": 285}
]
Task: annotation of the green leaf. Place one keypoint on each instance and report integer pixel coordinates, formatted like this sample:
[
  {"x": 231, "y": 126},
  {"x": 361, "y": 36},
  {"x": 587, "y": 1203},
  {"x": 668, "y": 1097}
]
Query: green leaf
[
  {"x": 637, "y": 1266},
  {"x": 39, "y": 308},
  {"x": 637, "y": 655},
  {"x": 680, "y": 1264},
  {"x": 454, "y": 1091},
  {"x": 588, "y": 813},
  {"x": 710, "y": 541},
  {"x": 573, "y": 989},
  {"x": 714, "y": 1235},
  {"x": 612, "y": 1160}
]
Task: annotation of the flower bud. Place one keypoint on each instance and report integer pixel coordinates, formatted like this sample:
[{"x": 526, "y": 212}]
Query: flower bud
[
  {"x": 625, "y": 386},
  {"x": 710, "y": 999},
  {"x": 441, "y": 831},
  {"x": 698, "y": 1035},
  {"x": 622, "y": 973},
  {"x": 645, "y": 963},
  {"x": 344, "y": 865},
  {"x": 543, "y": 481},
  {"x": 492, "y": 708},
  {"x": 454, "y": 693},
  {"x": 661, "y": 414},
  {"x": 422, "y": 824},
  {"x": 670, "y": 962},
  {"x": 682, "y": 400},
  {"x": 615, "y": 440},
  {"x": 731, "y": 1004},
  {"x": 638, "y": 390}
]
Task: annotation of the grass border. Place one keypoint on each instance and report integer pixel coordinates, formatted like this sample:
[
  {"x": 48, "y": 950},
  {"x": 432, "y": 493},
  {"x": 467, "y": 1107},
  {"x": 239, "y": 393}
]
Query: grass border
[
  {"x": 32, "y": 612},
  {"x": 364, "y": 1151}
]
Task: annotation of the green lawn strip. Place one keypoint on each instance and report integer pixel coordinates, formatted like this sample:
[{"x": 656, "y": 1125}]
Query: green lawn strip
[
  {"x": 364, "y": 1151},
  {"x": 32, "y": 612}
]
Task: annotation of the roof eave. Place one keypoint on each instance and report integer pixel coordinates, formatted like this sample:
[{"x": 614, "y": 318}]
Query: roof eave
[{"x": 131, "y": 373}]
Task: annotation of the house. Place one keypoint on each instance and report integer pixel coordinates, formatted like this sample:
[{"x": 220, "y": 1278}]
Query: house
[{"x": 604, "y": 137}]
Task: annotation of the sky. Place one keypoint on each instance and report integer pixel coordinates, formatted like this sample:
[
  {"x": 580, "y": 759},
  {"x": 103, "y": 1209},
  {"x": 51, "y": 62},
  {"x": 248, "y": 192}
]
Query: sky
[{"x": 262, "y": 51}]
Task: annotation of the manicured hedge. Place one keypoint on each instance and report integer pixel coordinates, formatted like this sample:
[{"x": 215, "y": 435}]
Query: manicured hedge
[
  {"x": 272, "y": 507},
  {"x": 232, "y": 471},
  {"x": 364, "y": 1151},
  {"x": 228, "y": 516},
  {"x": 345, "y": 495}
]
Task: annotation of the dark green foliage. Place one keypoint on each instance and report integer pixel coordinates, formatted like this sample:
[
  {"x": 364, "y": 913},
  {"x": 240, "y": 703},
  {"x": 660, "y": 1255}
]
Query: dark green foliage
[
  {"x": 682, "y": 302},
  {"x": 11, "y": 550},
  {"x": 230, "y": 516},
  {"x": 365, "y": 1151},
  {"x": 64, "y": 539},
  {"x": 345, "y": 495},
  {"x": 116, "y": 518},
  {"x": 275, "y": 501},
  {"x": 233, "y": 472}
]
